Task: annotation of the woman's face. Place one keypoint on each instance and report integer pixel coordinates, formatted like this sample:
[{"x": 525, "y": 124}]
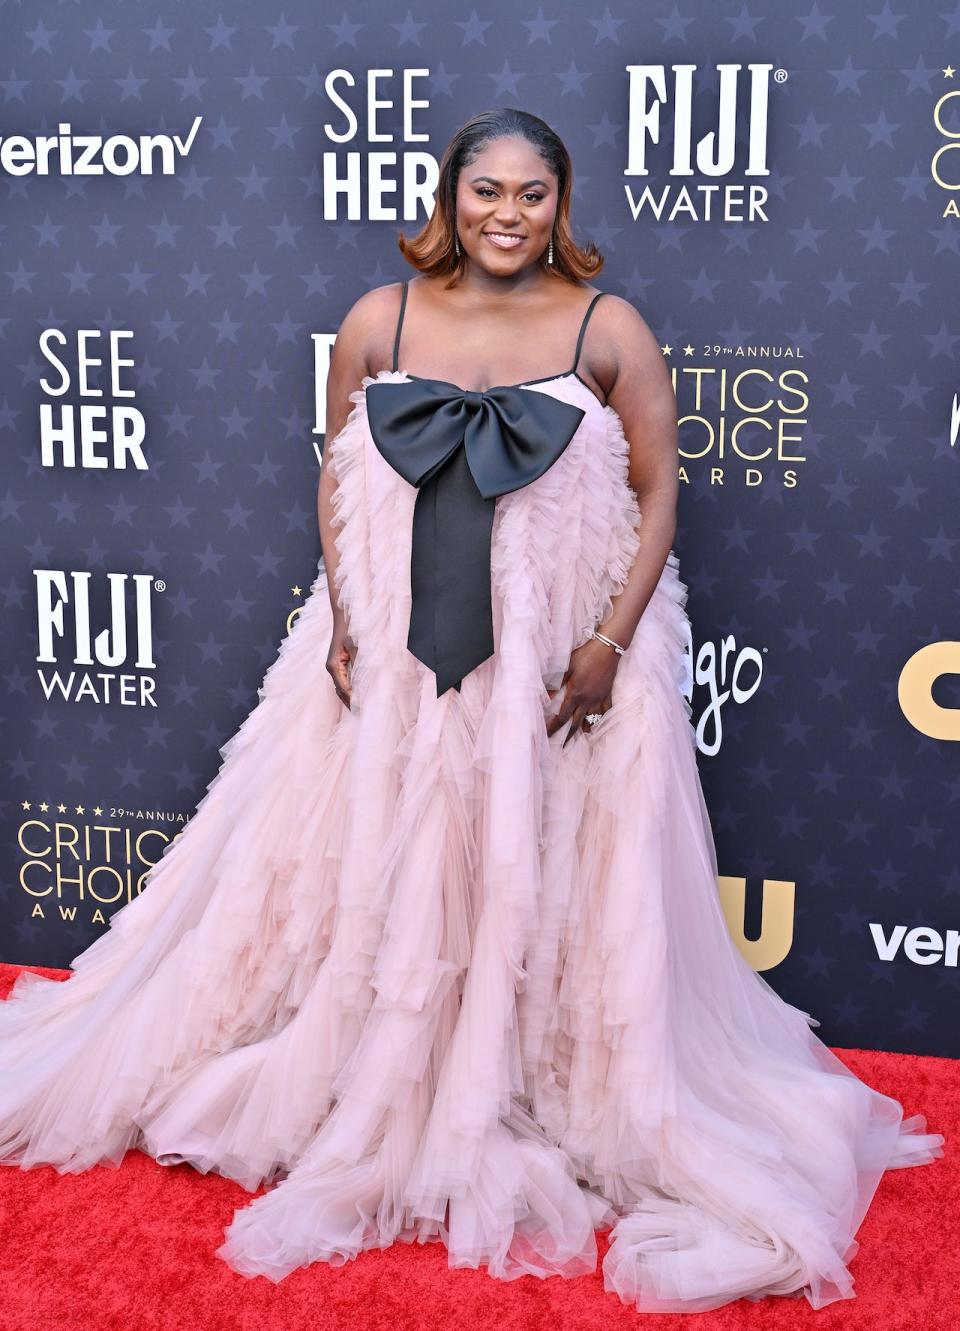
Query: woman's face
[{"x": 506, "y": 206}]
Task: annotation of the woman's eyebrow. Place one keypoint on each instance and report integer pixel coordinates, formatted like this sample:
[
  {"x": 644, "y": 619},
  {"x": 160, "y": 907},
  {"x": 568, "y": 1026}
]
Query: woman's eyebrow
[{"x": 494, "y": 181}]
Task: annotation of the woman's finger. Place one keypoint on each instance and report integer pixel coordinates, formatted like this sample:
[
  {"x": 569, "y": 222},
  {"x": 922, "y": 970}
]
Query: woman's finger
[
  {"x": 578, "y": 715},
  {"x": 566, "y": 676},
  {"x": 564, "y": 712}
]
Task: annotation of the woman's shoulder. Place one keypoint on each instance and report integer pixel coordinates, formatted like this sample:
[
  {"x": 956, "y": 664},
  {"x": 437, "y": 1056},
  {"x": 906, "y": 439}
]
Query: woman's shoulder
[
  {"x": 618, "y": 336},
  {"x": 613, "y": 313},
  {"x": 370, "y": 309},
  {"x": 366, "y": 331},
  {"x": 619, "y": 322},
  {"x": 615, "y": 309}
]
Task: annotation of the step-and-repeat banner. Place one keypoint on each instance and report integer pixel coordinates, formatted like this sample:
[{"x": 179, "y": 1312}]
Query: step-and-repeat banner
[{"x": 191, "y": 200}]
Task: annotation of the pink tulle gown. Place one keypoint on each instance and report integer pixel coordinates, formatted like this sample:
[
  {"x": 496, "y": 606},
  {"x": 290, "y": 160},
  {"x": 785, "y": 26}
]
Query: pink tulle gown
[{"x": 434, "y": 976}]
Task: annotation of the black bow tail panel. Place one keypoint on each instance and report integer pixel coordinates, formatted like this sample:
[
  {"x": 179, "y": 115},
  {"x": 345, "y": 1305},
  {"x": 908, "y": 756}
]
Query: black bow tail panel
[{"x": 451, "y": 618}]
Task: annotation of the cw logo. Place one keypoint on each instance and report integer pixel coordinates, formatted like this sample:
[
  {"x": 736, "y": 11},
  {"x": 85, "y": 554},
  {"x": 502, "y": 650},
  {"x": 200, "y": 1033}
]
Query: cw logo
[
  {"x": 915, "y": 690},
  {"x": 777, "y": 912}
]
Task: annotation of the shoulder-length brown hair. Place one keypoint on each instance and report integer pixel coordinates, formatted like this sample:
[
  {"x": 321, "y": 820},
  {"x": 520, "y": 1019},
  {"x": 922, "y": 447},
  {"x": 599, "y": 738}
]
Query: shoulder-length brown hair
[{"x": 432, "y": 250}]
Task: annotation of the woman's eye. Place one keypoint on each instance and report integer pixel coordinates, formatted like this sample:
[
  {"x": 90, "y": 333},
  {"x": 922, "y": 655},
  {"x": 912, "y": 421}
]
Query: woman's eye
[{"x": 486, "y": 190}]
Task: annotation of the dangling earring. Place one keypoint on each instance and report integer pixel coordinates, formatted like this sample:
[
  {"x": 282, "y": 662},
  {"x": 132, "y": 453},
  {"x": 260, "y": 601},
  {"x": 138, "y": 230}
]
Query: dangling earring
[
  {"x": 456, "y": 243},
  {"x": 550, "y": 250}
]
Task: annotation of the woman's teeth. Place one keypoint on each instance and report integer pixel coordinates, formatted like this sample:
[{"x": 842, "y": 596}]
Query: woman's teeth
[{"x": 502, "y": 240}]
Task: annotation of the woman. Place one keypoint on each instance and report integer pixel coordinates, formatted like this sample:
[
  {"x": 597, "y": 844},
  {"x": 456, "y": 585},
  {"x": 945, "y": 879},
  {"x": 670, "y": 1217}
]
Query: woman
[{"x": 442, "y": 950}]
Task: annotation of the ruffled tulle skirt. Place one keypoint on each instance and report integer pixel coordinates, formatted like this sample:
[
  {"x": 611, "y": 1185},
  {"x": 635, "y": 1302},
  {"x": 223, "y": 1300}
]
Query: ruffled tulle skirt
[{"x": 431, "y": 975}]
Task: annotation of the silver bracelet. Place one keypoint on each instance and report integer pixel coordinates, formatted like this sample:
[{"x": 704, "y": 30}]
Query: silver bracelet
[{"x": 609, "y": 641}]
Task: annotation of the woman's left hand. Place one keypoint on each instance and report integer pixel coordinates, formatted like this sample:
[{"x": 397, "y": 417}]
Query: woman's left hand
[{"x": 588, "y": 685}]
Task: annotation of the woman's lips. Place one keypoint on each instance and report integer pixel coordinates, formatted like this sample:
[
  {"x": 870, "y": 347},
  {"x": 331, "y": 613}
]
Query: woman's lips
[{"x": 503, "y": 240}]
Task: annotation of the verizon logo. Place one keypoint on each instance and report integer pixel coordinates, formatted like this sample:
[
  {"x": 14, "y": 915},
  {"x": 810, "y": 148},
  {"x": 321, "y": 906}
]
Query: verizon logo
[
  {"x": 69, "y": 154},
  {"x": 922, "y": 946}
]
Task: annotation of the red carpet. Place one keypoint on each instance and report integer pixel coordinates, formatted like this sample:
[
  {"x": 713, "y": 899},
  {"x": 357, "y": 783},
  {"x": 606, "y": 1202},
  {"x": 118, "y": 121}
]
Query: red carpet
[{"x": 131, "y": 1249}]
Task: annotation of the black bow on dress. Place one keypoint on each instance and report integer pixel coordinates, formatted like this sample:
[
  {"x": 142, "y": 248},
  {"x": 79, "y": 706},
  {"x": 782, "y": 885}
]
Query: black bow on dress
[{"x": 510, "y": 436}]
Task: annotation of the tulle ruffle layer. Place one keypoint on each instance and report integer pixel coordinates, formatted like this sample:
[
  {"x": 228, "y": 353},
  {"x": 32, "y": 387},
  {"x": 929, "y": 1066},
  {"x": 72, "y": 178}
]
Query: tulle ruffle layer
[{"x": 435, "y": 977}]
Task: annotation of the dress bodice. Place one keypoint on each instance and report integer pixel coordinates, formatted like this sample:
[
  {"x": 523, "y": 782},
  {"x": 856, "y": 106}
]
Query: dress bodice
[{"x": 560, "y": 548}]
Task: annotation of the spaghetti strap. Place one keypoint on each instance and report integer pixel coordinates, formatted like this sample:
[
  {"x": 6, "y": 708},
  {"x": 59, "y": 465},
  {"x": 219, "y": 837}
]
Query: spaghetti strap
[
  {"x": 583, "y": 329},
  {"x": 403, "y": 305},
  {"x": 396, "y": 339}
]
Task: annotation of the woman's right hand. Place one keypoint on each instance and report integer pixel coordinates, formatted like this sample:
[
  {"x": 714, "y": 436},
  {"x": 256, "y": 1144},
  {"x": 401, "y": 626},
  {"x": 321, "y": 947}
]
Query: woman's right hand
[{"x": 340, "y": 660}]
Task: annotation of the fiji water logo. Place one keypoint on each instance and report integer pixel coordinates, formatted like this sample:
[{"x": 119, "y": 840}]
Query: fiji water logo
[
  {"x": 69, "y": 154},
  {"x": 661, "y": 108},
  {"x": 100, "y": 637}
]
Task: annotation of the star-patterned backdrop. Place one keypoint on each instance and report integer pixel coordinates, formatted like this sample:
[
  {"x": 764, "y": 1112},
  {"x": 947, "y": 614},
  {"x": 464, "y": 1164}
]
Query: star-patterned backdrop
[{"x": 164, "y": 336}]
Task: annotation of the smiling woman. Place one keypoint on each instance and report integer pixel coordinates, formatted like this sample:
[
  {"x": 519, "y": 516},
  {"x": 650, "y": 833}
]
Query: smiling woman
[
  {"x": 441, "y": 952},
  {"x": 516, "y": 210}
]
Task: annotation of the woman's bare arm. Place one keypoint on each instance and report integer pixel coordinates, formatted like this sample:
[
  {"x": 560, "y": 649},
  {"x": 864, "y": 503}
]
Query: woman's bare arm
[{"x": 643, "y": 397}]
